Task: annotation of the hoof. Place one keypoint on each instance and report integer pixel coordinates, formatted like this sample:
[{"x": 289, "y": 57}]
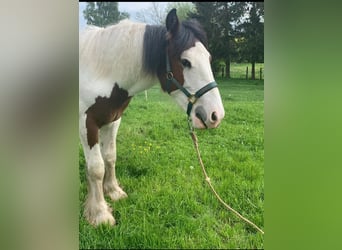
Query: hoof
[
  {"x": 103, "y": 218},
  {"x": 116, "y": 195},
  {"x": 99, "y": 215},
  {"x": 114, "y": 192}
]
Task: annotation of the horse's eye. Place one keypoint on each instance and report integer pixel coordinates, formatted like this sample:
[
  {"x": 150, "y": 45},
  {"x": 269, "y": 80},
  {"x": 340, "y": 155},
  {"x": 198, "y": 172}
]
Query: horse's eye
[{"x": 186, "y": 63}]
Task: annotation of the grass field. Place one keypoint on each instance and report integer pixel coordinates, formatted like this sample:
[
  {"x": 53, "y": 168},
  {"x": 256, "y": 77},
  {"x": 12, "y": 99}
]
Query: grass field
[{"x": 169, "y": 204}]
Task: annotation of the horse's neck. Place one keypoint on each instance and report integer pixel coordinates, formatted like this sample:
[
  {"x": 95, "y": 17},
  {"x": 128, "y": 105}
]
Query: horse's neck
[
  {"x": 143, "y": 60},
  {"x": 140, "y": 85}
]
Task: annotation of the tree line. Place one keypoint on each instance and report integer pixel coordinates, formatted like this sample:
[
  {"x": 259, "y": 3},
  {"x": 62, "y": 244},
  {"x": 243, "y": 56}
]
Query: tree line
[{"x": 235, "y": 30}]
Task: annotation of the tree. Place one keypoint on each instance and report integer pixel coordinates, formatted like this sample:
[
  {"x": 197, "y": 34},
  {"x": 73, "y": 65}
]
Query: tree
[
  {"x": 154, "y": 15},
  {"x": 219, "y": 19},
  {"x": 229, "y": 14},
  {"x": 205, "y": 13},
  {"x": 252, "y": 35},
  {"x": 103, "y": 13},
  {"x": 183, "y": 9}
]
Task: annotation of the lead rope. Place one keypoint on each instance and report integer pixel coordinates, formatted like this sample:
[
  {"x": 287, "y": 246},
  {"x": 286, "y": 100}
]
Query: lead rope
[{"x": 195, "y": 141}]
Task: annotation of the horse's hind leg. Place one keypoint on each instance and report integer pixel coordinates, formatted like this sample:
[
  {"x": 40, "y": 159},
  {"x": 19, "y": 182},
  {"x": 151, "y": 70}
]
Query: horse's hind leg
[
  {"x": 108, "y": 148},
  {"x": 96, "y": 208}
]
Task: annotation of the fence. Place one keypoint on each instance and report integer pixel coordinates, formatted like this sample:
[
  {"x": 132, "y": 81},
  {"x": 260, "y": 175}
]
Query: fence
[{"x": 243, "y": 71}]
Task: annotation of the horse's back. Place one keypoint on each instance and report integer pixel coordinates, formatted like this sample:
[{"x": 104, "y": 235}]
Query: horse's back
[
  {"x": 96, "y": 40},
  {"x": 112, "y": 49}
]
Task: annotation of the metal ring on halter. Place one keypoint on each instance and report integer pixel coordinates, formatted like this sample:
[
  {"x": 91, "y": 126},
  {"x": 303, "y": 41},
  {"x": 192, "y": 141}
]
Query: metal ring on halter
[
  {"x": 192, "y": 99},
  {"x": 169, "y": 75}
]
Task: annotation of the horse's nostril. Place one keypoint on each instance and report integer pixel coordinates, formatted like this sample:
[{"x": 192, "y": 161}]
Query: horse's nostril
[
  {"x": 198, "y": 115},
  {"x": 214, "y": 117}
]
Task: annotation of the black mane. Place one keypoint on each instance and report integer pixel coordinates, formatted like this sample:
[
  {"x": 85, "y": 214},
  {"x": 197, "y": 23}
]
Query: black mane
[
  {"x": 154, "y": 47},
  {"x": 155, "y": 42}
]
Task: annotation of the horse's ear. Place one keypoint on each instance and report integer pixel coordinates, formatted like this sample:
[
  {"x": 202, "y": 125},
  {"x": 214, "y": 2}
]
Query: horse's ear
[{"x": 172, "y": 23}]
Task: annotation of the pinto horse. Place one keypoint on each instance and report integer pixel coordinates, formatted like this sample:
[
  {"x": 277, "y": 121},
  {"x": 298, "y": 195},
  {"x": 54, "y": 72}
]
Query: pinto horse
[{"x": 119, "y": 61}]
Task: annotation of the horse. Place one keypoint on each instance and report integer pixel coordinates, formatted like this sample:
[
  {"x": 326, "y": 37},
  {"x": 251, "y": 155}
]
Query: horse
[{"x": 121, "y": 60}]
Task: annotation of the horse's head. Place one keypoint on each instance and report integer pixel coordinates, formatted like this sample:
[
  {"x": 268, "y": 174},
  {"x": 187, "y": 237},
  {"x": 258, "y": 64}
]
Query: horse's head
[{"x": 189, "y": 79}]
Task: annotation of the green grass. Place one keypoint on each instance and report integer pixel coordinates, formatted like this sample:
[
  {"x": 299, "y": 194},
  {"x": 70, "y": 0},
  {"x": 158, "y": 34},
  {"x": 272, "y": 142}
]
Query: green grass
[{"x": 169, "y": 204}]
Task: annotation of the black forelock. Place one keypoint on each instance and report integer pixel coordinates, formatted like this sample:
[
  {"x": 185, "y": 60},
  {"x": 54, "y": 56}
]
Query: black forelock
[
  {"x": 189, "y": 32},
  {"x": 155, "y": 42}
]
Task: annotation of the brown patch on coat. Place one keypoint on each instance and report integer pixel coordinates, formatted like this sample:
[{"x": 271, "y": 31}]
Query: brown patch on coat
[{"x": 104, "y": 111}]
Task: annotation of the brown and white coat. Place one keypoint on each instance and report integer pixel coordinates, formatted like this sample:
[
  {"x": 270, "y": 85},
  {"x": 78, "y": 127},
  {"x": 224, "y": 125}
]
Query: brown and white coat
[{"x": 119, "y": 61}]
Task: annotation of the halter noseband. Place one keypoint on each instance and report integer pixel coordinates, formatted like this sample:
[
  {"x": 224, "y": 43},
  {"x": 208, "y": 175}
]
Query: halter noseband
[{"x": 192, "y": 98}]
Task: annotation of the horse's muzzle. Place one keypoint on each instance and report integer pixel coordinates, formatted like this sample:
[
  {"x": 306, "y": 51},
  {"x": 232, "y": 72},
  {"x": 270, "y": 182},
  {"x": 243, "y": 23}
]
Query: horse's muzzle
[{"x": 203, "y": 121}]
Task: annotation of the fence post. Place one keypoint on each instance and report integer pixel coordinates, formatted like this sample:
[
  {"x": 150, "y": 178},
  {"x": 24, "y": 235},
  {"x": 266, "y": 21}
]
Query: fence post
[
  {"x": 247, "y": 73},
  {"x": 260, "y": 73}
]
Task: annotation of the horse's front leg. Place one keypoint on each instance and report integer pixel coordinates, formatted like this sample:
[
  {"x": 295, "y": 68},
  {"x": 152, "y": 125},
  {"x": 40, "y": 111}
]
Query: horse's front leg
[
  {"x": 96, "y": 208},
  {"x": 108, "y": 148}
]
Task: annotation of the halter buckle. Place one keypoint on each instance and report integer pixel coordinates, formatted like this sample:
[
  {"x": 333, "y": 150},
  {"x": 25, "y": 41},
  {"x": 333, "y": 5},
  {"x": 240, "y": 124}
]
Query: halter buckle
[{"x": 192, "y": 99}]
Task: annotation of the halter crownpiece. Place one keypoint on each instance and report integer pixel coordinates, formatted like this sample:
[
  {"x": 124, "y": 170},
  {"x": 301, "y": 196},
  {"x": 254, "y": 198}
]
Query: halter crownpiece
[{"x": 192, "y": 98}]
